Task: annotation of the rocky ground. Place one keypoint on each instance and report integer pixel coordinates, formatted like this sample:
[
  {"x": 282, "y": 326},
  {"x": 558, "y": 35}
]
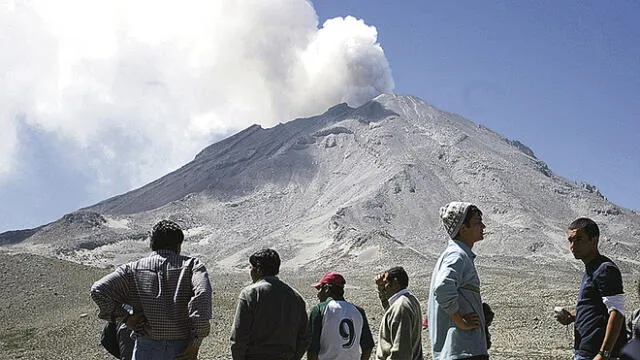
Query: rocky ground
[{"x": 46, "y": 312}]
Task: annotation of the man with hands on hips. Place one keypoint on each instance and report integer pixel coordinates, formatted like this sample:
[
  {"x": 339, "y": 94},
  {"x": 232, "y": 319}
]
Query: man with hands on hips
[{"x": 456, "y": 318}]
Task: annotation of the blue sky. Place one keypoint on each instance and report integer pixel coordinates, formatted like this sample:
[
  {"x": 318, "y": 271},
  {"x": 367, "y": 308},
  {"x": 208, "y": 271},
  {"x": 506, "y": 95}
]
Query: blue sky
[
  {"x": 563, "y": 77},
  {"x": 95, "y": 105}
]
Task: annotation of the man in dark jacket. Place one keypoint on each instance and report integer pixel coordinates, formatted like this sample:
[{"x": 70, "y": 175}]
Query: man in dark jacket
[
  {"x": 631, "y": 351},
  {"x": 271, "y": 317}
]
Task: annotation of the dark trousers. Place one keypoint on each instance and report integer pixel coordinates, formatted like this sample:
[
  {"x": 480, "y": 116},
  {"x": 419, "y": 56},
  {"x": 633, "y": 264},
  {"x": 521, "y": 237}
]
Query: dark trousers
[{"x": 478, "y": 357}]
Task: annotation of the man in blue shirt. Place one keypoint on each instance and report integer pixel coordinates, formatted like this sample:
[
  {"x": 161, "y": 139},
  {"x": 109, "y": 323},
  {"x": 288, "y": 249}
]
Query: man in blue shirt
[
  {"x": 598, "y": 318},
  {"x": 456, "y": 320}
]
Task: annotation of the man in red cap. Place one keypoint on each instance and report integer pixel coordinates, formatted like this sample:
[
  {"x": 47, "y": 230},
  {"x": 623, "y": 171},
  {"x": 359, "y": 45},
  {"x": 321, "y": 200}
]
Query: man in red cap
[{"x": 339, "y": 330}]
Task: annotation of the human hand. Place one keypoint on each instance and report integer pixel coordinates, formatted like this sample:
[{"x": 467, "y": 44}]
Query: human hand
[
  {"x": 190, "y": 353},
  {"x": 467, "y": 321},
  {"x": 380, "y": 281},
  {"x": 136, "y": 322},
  {"x": 563, "y": 316},
  {"x": 380, "y": 284}
]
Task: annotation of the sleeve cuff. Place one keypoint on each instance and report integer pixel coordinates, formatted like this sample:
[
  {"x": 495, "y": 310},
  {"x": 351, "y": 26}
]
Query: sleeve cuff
[
  {"x": 615, "y": 302},
  {"x": 122, "y": 318}
]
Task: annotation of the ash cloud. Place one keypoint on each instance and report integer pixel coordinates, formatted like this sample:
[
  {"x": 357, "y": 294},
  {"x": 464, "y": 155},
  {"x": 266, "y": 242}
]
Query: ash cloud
[{"x": 129, "y": 90}]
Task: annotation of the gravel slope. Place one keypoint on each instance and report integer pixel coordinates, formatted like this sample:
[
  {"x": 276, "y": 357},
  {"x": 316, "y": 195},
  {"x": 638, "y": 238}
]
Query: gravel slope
[{"x": 46, "y": 312}]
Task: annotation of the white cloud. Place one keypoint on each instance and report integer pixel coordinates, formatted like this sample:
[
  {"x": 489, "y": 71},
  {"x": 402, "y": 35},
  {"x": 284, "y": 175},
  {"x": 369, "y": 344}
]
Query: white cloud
[{"x": 136, "y": 88}]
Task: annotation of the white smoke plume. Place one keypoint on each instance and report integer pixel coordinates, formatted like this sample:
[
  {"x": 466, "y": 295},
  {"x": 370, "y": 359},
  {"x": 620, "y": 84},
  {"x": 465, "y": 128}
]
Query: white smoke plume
[{"x": 127, "y": 90}]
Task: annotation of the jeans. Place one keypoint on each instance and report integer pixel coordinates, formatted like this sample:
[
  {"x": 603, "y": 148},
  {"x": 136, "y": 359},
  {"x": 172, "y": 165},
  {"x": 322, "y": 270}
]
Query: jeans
[{"x": 146, "y": 349}]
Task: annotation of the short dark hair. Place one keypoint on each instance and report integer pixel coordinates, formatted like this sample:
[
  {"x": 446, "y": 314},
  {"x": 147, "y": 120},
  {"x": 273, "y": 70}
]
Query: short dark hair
[
  {"x": 266, "y": 260},
  {"x": 166, "y": 235},
  {"x": 398, "y": 274},
  {"x": 589, "y": 226}
]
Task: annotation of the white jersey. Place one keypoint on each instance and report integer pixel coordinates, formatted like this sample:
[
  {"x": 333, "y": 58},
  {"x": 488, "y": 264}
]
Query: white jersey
[{"x": 342, "y": 326}]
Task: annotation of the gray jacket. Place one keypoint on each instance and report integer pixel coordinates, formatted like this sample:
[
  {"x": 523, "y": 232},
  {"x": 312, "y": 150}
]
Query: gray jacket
[{"x": 270, "y": 322}]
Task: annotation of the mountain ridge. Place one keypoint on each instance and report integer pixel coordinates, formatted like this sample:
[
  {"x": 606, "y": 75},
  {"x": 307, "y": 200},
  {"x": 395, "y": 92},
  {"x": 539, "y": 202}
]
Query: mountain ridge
[{"x": 352, "y": 184}]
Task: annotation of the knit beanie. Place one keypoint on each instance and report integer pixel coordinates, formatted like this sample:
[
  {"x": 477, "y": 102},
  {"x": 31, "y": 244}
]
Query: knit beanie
[{"x": 453, "y": 215}]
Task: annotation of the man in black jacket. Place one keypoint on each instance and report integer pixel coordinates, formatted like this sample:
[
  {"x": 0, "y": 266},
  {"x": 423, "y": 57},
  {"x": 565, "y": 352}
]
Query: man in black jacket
[{"x": 271, "y": 317}]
